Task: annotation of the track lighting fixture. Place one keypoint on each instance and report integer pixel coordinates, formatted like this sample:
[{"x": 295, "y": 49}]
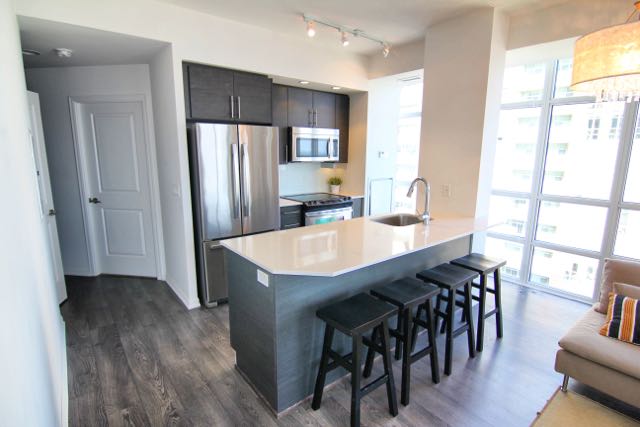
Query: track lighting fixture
[
  {"x": 343, "y": 39},
  {"x": 311, "y": 30},
  {"x": 311, "y": 22}
]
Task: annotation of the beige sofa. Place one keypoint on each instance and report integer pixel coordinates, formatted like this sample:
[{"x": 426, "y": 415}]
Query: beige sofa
[{"x": 603, "y": 363}]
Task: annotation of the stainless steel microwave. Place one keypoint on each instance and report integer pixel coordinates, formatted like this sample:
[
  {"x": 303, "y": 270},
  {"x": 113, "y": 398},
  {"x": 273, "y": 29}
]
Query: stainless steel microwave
[{"x": 314, "y": 145}]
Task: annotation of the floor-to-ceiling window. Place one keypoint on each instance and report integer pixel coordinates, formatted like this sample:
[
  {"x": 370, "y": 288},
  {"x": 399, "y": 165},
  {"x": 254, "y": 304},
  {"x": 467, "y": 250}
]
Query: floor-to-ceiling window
[
  {"x": 407, "y": 143},
  {"x": 566, "y": 183}
]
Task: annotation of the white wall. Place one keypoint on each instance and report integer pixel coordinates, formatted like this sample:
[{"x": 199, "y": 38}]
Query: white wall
[
  {"x": 568, "y": 19},
  {"x": 460, "y": 54},
  {"x": 32, "y": 358},
  {"x": 401, "y": 59},
  {"x": 55, "y": 85}
]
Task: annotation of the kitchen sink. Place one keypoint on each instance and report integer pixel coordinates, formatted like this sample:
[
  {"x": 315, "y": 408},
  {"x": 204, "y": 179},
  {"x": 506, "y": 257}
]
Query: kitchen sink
[{"x": 399, "y": 220}]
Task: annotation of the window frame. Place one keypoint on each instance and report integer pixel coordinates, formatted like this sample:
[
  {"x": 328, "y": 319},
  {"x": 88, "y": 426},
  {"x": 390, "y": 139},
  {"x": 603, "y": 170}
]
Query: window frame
[{"x": 614, "y": 205}]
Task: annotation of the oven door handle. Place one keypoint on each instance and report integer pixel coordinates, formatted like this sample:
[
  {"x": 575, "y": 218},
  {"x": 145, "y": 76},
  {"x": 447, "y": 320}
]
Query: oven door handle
[{"x": 329, "y": 212}]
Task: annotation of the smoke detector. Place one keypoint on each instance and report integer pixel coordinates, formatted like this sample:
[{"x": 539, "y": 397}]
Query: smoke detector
[{"x": 62, "y": 52}]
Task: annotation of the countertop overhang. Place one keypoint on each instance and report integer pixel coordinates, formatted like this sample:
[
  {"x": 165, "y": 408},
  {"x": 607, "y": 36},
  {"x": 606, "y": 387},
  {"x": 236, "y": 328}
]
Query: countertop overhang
[{"x": 337, "y": 248}]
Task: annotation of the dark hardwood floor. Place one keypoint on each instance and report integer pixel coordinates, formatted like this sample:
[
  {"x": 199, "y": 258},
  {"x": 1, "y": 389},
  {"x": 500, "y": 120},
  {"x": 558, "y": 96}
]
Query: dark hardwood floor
[{"x": 136, "y": 356}]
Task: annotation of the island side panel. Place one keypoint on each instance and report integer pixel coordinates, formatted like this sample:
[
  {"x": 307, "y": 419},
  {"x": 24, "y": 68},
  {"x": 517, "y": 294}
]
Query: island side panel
[
  {"x": 299, "y": 332},
  {"x": 252, "y": 325}
]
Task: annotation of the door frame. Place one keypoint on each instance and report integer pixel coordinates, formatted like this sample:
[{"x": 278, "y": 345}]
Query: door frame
[{"x": 152, "y": 171}]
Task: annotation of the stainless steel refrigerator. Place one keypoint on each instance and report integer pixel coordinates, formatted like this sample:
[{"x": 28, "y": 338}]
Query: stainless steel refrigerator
[{"x": 234, "y": 179}]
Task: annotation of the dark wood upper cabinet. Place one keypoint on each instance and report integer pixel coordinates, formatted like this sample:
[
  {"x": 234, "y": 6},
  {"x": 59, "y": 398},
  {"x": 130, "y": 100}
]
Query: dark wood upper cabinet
[
  {"x": 324, "y": 110},
  {"x": 300, "y": 107},
  {"x": 279, "y": 110},
  {"x": 218, "y": 94},
  {"x": 210, "y": 92},
  {"x": 342, "y": 123},
  {"x": 253, "y": 97}
]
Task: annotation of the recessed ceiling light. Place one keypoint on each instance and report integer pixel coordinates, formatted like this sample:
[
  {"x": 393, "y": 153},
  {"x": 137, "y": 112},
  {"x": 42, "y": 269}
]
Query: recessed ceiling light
[
  {"x": 303, "y": 82},
  {"x": 336, "y": 88},
  {"x": 30, "y": 52},
  {"x": 63, "y": 52}
]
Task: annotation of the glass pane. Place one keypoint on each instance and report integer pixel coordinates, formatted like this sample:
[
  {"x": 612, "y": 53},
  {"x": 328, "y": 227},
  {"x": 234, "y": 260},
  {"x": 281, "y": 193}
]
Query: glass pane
[
  {"x": 628, "y": 235},
  {"x": 507, "y": 250},
  {"x": 516, "y": 149},
  {"x": 406, "y": 163},
  {"x": 511, "y": 213},
  {"x": 523, "y": 83},
  {"x": 411, "y": 98},
  {"x": 567, "y": 272},
  {"x": 583, "y": 144},
  {"x": 568, "y": 224},
  {"x": 563, "y": 80},
  {"x": 632, "y": 187}
]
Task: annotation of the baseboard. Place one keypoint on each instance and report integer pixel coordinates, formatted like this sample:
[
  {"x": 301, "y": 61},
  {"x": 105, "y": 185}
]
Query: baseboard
[{"x": 187, "y": 302}]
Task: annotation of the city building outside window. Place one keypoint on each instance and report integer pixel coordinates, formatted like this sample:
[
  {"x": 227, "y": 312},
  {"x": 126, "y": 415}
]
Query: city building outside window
[{"x": 566, "y": 182}]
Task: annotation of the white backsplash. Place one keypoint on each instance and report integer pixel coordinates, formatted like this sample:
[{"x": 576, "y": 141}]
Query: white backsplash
[{"x": 297, "y": 178}]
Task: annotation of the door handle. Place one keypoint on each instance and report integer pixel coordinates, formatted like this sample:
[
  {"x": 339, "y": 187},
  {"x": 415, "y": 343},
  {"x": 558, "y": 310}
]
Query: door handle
[
  {"x": 232, "y": 107},
  {"x": 94, "y": 200},
  {"x": 52, "y": 212},
  {"x": 235, "y": 180},
  {"x": 246, "y": 198},
  {"x": 239, "y": 113}
]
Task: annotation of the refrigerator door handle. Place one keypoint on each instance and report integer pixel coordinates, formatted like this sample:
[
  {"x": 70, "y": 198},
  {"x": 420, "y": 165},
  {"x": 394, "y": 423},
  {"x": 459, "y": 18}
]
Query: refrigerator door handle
[
  {"x": 246, "y": 188},
  {"x": 235, "y": 180}
]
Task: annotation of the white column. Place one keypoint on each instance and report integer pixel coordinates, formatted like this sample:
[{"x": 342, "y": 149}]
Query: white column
[{"x": 463, "y": 67}]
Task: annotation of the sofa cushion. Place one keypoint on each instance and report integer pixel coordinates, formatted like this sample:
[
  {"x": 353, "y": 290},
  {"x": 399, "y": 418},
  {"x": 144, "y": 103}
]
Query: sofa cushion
[
  {"x": 616, "y": 270},
  {"x": 584, "y": 340},
  {"x": 626, "y": 290},
  {"x": 623, "y": 319}
]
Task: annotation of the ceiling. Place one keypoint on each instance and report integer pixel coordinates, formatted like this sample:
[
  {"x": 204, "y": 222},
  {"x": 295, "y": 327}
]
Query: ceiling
[
  {"x": 90, "y": 46},
  {"x": 395, "y": 21}
]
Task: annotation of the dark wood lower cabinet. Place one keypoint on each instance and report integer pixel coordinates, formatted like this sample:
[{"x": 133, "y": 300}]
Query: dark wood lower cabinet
[
  {"x": 291, "y": 217},
  {"x": 358, "y": 205}
]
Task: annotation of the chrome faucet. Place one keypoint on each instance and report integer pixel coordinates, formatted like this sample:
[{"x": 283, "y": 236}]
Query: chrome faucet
[{"x": 427, "y": 196}]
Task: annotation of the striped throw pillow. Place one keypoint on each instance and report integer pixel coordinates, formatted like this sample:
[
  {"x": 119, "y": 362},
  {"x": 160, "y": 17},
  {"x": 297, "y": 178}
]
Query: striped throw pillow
[{"x": 623, "y": 319}]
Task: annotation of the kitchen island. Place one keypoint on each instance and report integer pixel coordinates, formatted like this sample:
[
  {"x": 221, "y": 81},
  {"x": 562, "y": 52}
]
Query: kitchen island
[{"x": 278, "y": 280}]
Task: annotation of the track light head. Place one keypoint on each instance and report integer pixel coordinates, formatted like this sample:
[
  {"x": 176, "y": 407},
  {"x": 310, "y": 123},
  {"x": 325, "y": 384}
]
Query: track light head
[
  {"x": 385, "y": 50},
  {"x": 343, "y": 39},
  {"x": 311, "y": 28}
]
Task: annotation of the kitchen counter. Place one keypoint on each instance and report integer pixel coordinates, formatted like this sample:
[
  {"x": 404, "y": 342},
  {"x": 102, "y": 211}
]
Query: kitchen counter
[
  {"x": 285, "y": 203},
  {"x": 340, "y": 247},
  {"x": 278, "y": 281}
]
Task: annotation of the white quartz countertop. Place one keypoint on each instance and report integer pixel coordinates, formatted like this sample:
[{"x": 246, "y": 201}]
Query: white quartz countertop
[
  {"x": 343, "y": 246},
  {"x": 284, "y": 203}
]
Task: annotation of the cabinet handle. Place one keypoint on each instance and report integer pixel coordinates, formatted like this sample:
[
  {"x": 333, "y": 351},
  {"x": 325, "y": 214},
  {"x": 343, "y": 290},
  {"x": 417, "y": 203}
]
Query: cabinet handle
[
  {"x": 238, "y": 107},
  {"x": 232, "y": 109},
  {"x": 315, "y": 118},
  {"x": 309, "y": 118}
]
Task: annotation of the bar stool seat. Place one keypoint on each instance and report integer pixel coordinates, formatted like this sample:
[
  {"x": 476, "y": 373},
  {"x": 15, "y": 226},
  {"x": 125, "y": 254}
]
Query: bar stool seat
[
  {"x": 406, "y": 294},
  {"x": 355, "y": 316},
  {"x": 450, "y": 278},
  {"x": 484, "y": 265}
]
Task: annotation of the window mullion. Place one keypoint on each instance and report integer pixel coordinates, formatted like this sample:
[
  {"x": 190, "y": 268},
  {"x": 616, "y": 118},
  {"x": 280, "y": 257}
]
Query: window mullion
[{"x": 543, "y": 136}]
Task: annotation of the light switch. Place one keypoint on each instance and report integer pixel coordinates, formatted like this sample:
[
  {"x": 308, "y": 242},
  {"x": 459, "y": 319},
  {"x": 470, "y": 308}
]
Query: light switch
[
  {"x": 263, "y": 278},
  {"x": 446, "y": 190}
]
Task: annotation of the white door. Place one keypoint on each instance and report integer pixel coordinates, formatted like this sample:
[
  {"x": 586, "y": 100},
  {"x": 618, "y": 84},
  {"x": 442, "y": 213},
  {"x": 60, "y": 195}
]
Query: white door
[
  {"x": 112, "y": 151},
  {"x": 47, "y": 209}
]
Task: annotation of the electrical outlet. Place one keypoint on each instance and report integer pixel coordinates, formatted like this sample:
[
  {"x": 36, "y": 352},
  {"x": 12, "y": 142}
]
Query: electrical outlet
[
  {"x": 263, "y": 278},
  {"x": 446, "y": 190}
]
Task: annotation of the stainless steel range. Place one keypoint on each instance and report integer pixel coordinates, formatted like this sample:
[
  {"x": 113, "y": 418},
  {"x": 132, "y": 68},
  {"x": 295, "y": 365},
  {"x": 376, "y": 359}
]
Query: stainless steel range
[{"x": 321, "y": 208}]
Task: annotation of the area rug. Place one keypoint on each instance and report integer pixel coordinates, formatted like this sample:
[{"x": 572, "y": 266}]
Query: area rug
[{"x": 572, "y": 409}]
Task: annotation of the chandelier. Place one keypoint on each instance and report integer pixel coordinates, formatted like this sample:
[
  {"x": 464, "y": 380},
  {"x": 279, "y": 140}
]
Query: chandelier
[{"x": 606, "y": 63}]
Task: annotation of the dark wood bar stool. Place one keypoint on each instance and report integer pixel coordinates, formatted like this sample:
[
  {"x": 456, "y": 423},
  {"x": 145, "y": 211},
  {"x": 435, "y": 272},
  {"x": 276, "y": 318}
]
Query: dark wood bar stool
[
  {"x": 354, "y": 317},
  {"x": 406, "y": 294},
  {"x": 450, "y": 278},
  {"x": 485, "y": 266}
]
